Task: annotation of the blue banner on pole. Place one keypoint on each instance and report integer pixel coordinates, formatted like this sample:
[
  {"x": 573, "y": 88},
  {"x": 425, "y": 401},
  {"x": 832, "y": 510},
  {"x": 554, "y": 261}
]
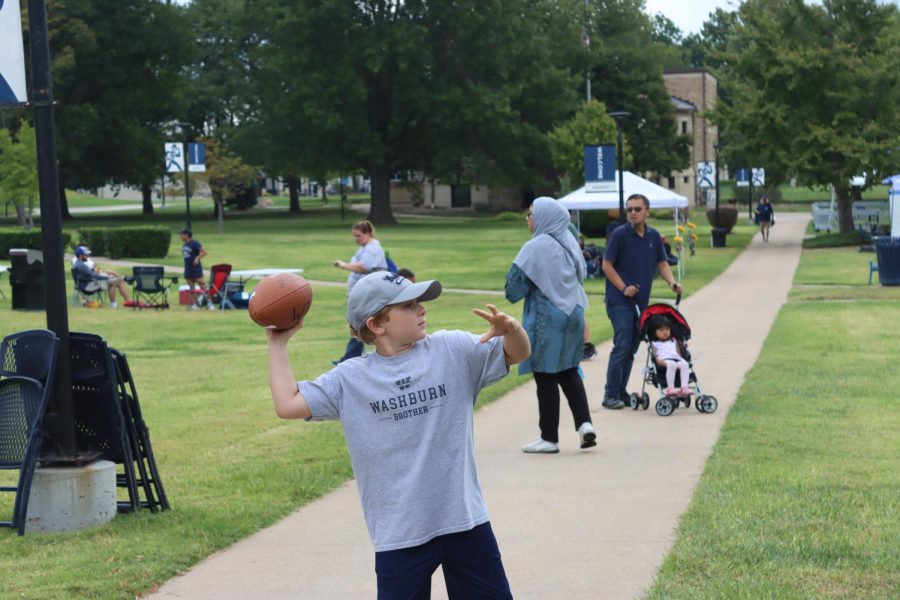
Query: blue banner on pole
[
  {"x": 196, "y": 158},
  {"x": 600, "y": 168},
  {"x": 12, "y": 55},
  {"x": 742, "y": 177}
]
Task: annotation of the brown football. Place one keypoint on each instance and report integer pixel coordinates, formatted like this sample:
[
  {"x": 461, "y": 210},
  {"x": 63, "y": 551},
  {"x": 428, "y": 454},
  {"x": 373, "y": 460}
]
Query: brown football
[{"x": 280, "y": 301}]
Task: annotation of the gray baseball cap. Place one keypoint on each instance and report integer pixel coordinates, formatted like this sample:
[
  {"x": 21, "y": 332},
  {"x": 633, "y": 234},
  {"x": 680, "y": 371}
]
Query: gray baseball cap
[{"x": 382, "y": 288}]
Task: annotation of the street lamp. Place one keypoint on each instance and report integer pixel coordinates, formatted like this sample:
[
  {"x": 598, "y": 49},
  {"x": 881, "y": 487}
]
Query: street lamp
[
  {"x": 619, "y": 115},
  {"x": 183, "y": 125},
  {"x": 716, "y": 150}
]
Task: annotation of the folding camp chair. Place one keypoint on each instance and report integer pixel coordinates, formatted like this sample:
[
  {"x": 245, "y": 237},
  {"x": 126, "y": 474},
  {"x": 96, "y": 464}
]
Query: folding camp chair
[
  {"x": 147, "y": 288},
  {"x": 139, "y": 438},
  {"x": 217, "y": 292},
  {"x": 81, "y": 293},
  {"x": 99, "y": 422},
  {"x": 27, "y": 366}
]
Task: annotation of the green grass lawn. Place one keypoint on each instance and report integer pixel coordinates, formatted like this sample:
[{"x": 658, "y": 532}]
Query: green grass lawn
[
  {"x": 800, "y": 496},
  {"x": 229, "y": 466}
]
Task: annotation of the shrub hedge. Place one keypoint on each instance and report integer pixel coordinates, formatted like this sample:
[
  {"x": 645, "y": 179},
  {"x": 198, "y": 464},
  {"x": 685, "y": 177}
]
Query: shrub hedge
[
  {"x": 727, "y": 217},
  {"x": 19, "y": 238},
  {"x": 133, "y": 242}
]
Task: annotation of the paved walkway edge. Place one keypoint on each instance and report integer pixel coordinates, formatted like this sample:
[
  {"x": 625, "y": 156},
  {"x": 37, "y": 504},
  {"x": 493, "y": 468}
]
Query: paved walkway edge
[{"x": 594, "y": 524}]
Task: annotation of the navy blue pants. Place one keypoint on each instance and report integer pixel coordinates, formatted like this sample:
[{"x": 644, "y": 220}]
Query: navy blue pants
[
  {"x": 626, "y": 341},
  {"x": 355, "y": 348},
  {"x": 471, "y": 563}
]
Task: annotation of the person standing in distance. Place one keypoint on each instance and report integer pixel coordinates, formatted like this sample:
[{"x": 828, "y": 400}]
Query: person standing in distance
[
  {"x": 192, "y": 251},
  {"x": 548, "y": 273},
  {"x": 634, "y": 254},
  {"x": 369, "y": 256}
]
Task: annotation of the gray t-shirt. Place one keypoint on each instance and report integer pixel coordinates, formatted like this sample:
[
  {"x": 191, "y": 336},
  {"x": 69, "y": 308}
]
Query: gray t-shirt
[
  {"x": 408, "y": 424},
  {"x": 371, "y": 256}
]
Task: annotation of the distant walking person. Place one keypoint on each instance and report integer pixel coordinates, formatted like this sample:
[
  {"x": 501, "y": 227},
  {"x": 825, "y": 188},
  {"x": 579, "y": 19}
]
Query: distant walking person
[
  {"x": 634, "y": 254},
  {"x": 548, "y": 273},
  {"x": 368, "y": 257},
  {"x": 765, "y": 217}
]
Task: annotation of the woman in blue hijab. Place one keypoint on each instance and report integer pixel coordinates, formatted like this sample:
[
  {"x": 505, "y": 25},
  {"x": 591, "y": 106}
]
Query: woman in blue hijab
[{"x": 548, "y": 273}]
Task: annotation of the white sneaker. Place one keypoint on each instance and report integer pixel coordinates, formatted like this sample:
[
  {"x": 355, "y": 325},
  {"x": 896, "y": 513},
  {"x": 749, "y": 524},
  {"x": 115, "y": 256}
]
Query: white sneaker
[
  {"x": 587, "y": 435},
  {"x": 540, "y": 446},
  {"x": 114, "y": 305}
]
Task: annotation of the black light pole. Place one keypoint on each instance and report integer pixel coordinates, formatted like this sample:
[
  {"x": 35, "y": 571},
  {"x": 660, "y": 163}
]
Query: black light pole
[
  {"x": 716, "y": 148},
  {"x": 187, "y": 186},
  {"x": 60, "y": 419},
  {"x": 619, "y": 115},
  {"x": 750, "y": 197}
]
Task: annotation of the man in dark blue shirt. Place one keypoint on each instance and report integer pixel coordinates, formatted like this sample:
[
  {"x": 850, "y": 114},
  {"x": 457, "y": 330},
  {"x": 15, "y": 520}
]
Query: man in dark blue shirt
[{"x": 634, "y": 254}]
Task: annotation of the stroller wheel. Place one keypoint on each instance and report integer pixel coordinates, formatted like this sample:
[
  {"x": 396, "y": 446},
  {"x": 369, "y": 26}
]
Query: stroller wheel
[
  {"x": 664, "y": 406},
  {"x": 645, "y": 400},
  {"x": 633, "y": 401},
  {"x": 707, "y": 404},
  {"x": 687, "y": 401}
]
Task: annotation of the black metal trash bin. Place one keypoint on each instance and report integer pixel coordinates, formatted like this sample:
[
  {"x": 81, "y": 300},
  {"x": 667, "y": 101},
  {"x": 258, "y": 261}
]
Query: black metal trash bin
[
  {"x": 888, "y": 252},
  {"x": 26, "y": 277},
  {"x": 718, "y": 237}
]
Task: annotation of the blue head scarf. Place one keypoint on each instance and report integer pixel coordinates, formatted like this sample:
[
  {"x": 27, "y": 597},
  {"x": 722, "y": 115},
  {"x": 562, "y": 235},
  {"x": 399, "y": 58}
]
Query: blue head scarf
[{"x": 552, "y": 259}]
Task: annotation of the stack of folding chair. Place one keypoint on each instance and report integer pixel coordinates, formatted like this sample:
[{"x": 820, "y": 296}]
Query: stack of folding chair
[
  {"x": 138, "y": 436},
  {"x": 27, "y": 367},
  {"x": 108, "y": 420}
]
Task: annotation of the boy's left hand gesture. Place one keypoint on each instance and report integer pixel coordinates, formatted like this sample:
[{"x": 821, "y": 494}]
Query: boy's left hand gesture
[
  {"x": 501, "y": 323},
  {"x": 516, "y": 346}
]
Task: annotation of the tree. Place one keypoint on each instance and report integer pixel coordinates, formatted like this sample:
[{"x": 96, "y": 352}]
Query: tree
[
  {"x": 626, "y": 74},
  {"x": 456, "y": 90},
  {"x": 814, "y": 92},
  {"x": 18, "y": 170},
  {"x": 116, "y": 74},
  {"x": 591, "y": 125},
  {"x": 228, "y": 177},
  {"x": 706, "y": 48}
]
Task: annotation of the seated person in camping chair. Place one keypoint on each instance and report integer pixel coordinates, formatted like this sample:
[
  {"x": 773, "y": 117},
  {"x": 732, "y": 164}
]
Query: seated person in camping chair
[
  {"x": 592, "y": 257},
  {"x": 90, "y": 278}
]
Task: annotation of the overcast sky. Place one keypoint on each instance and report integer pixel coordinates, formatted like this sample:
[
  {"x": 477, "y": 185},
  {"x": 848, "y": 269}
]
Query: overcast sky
[{"x": 689, "y": 15}]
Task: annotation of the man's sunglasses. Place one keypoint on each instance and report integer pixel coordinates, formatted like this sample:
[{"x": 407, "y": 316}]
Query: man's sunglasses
[{"x": 634, "y": 209}]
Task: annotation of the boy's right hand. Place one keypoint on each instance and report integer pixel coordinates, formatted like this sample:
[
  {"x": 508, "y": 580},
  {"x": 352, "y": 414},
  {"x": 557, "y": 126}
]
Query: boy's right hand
[{"x": 281, "y": 336}]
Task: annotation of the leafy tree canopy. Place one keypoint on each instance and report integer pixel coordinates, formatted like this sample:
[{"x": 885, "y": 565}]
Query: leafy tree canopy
[
  {"x": 18, "y": 168},
  {"x": 814, "y": 91},
  {"x": 116, "y": 73},
  {"x": 591, "y": 125},
  {"x": 462, "y": 89},
  {"x": 626, "y": 72}
]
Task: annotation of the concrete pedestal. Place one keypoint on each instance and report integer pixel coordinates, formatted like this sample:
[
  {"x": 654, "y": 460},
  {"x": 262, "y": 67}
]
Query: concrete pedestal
[{"x": 72, "y": 498}]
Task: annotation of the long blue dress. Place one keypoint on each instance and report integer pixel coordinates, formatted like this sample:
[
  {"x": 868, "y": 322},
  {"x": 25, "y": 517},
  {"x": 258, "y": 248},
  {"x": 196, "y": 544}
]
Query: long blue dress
[{"x": 557, "y": 339}]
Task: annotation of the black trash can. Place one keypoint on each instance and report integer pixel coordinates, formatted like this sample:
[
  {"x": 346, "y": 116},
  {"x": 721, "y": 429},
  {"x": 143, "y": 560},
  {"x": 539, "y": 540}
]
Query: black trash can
[
  {"x": 888, "y": 252},
  {"x": 26, "y": 277},
  {"x": 718, "y": 237}
]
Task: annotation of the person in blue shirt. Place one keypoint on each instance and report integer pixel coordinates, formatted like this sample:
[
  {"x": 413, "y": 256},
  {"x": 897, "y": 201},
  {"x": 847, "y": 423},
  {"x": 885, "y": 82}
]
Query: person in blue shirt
[
  {"x": 765, "y": 217},
  {"x": 634, "y": 255},
  {"x": 548, "y": 273},
  {"x": 192, "y": 251}
]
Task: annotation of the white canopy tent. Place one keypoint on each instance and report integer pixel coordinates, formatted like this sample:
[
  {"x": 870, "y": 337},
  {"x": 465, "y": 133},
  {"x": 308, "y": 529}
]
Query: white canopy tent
[{"x": 659, "y": 197}]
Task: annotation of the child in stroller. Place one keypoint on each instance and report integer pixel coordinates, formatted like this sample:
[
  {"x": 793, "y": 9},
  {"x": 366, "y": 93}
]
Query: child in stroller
[
  {"x": 668, "y": 354},
  {"x": 663, "y": 323}
]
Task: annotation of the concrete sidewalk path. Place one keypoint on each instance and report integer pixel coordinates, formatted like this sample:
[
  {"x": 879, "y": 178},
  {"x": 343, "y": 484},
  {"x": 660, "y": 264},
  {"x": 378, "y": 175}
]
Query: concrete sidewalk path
[{"x": 592, "y": 524}]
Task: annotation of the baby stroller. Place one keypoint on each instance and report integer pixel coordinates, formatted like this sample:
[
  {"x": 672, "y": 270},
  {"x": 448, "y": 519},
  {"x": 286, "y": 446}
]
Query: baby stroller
[{"x": 655, "y": 371}]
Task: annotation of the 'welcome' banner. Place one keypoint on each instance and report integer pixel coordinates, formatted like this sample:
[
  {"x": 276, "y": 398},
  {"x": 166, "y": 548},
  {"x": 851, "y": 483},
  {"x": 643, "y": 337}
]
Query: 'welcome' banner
[{"x": 12, "y": 55}]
